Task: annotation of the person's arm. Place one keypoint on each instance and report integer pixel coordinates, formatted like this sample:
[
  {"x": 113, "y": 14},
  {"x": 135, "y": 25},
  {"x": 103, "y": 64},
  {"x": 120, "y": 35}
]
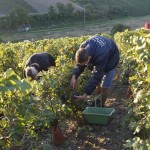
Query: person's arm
[
  {"x": 78, "y": 70},
  {"x": 91, "y": 85},
  {"x": 81, "y": 97},
  {"x": 76, "y": 73},
  {"x": 73, "y": 81},
  {"x": 94, "y": 80}
]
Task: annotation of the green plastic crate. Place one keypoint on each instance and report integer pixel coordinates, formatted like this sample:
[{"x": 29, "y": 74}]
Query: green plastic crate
[{"x": 98, "y": 115}]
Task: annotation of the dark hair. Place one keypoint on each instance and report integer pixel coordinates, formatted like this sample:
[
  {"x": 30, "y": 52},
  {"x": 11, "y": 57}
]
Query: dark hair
[{"x": 82, "y": 55}]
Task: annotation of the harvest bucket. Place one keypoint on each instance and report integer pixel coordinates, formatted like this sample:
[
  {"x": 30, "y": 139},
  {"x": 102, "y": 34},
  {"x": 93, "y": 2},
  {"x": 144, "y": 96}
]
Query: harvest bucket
[{"x": 98, "y": 115}]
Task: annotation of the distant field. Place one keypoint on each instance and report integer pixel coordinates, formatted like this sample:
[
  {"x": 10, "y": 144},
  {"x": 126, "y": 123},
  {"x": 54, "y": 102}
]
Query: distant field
[{"x": 76, "y": 31}]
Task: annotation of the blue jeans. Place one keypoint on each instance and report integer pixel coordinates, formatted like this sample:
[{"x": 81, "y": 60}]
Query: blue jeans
[{"x": 108, "y": 78}]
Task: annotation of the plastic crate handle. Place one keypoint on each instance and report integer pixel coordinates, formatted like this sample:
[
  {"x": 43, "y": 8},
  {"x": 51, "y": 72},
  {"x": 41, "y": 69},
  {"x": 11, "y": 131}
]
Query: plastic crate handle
[{"x": 95, "y": 99}]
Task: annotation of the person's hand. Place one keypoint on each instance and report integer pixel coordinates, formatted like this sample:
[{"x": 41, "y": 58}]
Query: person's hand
[
  {"x": 80, "y": 97},
  {"x": 73, "y": 82}
]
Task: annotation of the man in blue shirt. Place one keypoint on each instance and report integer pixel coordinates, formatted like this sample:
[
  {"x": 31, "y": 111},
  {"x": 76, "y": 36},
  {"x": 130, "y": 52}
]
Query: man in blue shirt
[{"x": 102, "y": 55}]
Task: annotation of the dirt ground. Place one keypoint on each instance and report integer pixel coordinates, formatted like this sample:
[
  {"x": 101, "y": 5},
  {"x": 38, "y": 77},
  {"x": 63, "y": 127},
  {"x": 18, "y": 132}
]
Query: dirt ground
[{"x": 79, "y": 135}]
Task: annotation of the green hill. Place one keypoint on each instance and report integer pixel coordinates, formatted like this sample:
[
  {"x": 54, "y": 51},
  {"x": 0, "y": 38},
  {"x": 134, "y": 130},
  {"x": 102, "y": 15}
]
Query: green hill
[
  {"x": 7, "y": 5},
  {"x": 128, "y": 7},
  {"x": 131, "y": 7},
  {"x": 32, "y": 6}
]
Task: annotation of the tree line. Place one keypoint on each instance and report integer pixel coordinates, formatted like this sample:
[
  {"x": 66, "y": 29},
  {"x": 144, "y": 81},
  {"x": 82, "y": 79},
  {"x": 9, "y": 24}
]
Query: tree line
[{"x": 20, "y": 19}]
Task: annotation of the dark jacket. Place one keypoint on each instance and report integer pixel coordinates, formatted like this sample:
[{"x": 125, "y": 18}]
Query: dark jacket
[
  {"x": 104, "y": 55},
  {"x": 41, "y": 61}
]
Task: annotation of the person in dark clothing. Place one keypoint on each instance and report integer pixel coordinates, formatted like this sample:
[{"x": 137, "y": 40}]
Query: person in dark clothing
[
  {"x": 101, "y": 56},
  {"x": 38, "y": 62}
]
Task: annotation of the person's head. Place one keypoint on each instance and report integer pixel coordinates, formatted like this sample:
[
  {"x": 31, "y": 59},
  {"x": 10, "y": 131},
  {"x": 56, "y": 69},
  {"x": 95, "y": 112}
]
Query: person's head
[
  {"x": 82, "y": 56},
  {"x": 31, "y": 72}
]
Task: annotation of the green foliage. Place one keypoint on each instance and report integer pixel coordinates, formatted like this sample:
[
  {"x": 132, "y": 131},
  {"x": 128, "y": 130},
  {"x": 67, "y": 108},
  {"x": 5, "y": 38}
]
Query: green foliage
[
  {"x": 134, "y": 47},
  {"x": 69, "y": 9},
  {"x": 128, "y": 7},
  {"x": 61, "y": 9},
  {"x": 136, "y": 143},
  {"x": 65, "y": 11},
  {"x": 29, "y": 105},
  {"x": 7, "y": 5},
  {"x": 118, "y": 28},
  {"x": 22, "y": 114},
  {"x": 18, "y": 16},
  {"x": 52, "y": 13},
  {"x": 11, "y": 82}
]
